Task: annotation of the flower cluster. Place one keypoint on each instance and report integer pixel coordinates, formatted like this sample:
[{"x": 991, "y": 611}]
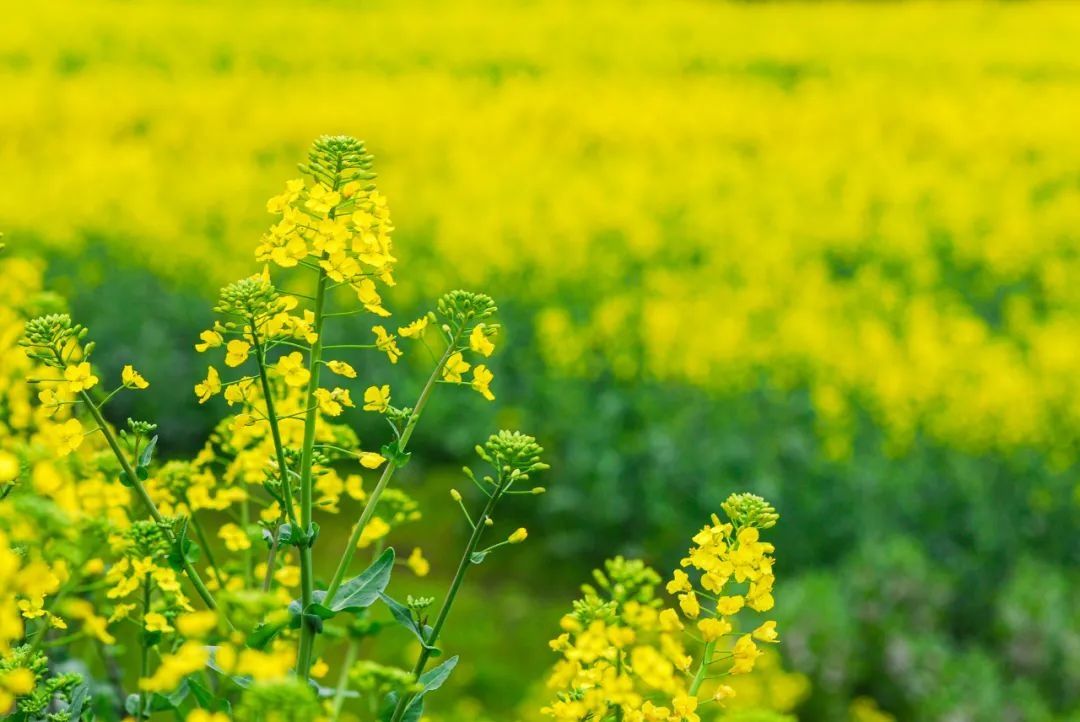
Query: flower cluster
[{"x": 624, "y": 652}]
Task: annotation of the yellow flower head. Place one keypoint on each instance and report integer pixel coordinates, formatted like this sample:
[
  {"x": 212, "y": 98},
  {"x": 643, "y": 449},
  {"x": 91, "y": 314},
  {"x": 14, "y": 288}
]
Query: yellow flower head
[
  {"x": 132, "y": 379},
  {"x": 377, "y": 398},
  {"x": 291, "y": 367},
  {"x": 455, "y": 366},
  {"x": 209, "y": 387},
  {"x": 236, "y": 353},
  {"x": 80, "y": 377}
]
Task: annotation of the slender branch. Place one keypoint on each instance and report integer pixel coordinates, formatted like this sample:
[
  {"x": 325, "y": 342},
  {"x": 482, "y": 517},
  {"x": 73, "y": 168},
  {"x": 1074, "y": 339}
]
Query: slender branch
[
  {"x": 388, "y": 473},
  {"x": 343, "y": 680}
]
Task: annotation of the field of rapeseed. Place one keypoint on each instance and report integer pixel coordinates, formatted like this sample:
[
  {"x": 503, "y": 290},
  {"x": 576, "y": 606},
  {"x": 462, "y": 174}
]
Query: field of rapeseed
[{"x": 827, "y": 253}]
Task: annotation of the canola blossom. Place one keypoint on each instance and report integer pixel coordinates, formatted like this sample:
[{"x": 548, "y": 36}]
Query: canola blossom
[{"x": 206, "y": 567}]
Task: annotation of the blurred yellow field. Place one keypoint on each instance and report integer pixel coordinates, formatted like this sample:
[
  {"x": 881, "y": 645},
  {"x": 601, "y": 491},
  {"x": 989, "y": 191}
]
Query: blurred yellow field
[{"x": 699, "y": 218}]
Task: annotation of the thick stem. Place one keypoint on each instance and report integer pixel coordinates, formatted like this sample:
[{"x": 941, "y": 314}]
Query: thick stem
[
  {"x": 140, "y": 490},
  {"x": 384, "y": 480},
  {"x": 444, "y": 611},
  {"x": 307, "y": 572}
]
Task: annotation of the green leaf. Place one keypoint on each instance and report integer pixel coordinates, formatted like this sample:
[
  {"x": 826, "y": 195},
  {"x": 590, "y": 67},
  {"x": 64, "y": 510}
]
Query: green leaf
[
  {"x": 263, "y": 634},
  {"x": 404, "y": 616},
  {"x": 184, "y": 551},
  {"x": 363, "y": 590},
  {"x": 147, "y": 454}
]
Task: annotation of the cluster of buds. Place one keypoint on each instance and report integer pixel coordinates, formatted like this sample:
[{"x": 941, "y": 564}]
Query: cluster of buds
[{"x": 53, "y": 339}]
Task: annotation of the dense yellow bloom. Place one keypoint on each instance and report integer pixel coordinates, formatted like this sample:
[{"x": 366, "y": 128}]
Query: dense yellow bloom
[
  {"x": 79, "y": 377},
  {"x": 132, "y": 379}
]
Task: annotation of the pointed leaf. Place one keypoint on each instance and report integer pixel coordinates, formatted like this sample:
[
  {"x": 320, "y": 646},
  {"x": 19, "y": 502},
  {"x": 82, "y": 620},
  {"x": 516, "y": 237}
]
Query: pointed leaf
[
  {"x": 404, "y": 616},
  {"x": 361, "y": 591}
]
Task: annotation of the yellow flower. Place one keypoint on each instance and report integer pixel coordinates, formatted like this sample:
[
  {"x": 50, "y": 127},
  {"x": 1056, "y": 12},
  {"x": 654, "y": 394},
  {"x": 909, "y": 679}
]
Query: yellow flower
[
  {"x": 210, "y": 339},
  {"x": 416, "y": 562},
  {"x": 386, "y": 343},
  {"x": 479, "y": 342},
  {"x": 766, "y": 633},
  {"x": 70, "y": 436},
  {"x": 376, "y": 529},
  {"x": 210, "y": 386},
  {"x": 455, "y": 366},
  {"x": 319, "y": 668},
  {"x": 415, "y": 329},
  {"x": 235, "y": 538},
  {"x": 132, "y": 379},
  {"x": 680, "y": 583},
  {"x": 728, "y": 606},
  {"x": 683, "y": 707},
  {"x": 377, "y": 398},
  {"x": 518, "y": 536},
  {"x": 712, "y": 629},
  {"x": 156, "y": 622},
  {"x": 236, "y": 353},
  {"x": 723, "y": 692},
  {"x": 689, "y": 604},
  {"x": 196, "y": 625},
  {"x": 341, "y": 369},
  {"x": 80, "y": 377},
  {"x": 18, "y": 681},
  {"x": 482, "y": 380},
  {"x": 744, "y": 653},
  {"x": 291, "y": 367},
  {"x": 9, "y": 466},
  {"x": 669, "y": 621},
  {"x": 371, "y": 460}
]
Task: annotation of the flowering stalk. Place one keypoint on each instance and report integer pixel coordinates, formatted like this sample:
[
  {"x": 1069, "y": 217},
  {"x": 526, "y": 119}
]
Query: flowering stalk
[
  {"x": 140, "y": 489},
  {"x": 307, "y": 578},
  {"x": 384, "y": 480},
  {"x": 513, "y": 456}
]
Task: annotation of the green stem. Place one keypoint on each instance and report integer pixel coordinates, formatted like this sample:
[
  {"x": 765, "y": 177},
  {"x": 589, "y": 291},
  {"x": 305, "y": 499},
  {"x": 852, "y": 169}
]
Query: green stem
[
  {"x": 307, "y": 578},
  {"x": 140, "y": 490},
  {"x": 700, "y": 676},
  {"x": 144, "y": 650},
  {"x": 343, "y": 679},
  {"x": 444, "y": 611},
  {"x": 275, "y": 431},
  {"x": 388, "y": 473},
  {"x": 206, "y": 547}
]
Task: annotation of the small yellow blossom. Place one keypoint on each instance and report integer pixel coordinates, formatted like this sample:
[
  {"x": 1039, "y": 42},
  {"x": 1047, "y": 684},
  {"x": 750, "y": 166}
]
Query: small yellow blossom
[
  {"x": 341, "y": 369},
  {"x": 80, "y": 377},
  {"x": 376, "y": 529},
  {"x": 415, "y": 329},
  {"x": 416, "y": 562},
  {"x": 156, "y": 622},
  {"x": 481, "y": 382},
  {"x": 519, "y": 535},
  {"x": 235, "y": 538},
  {"x": 479, "y": 341},
  {"x": 455, "y": 366},
  {"x": 291, "y": 367},
  {"x": 209, "y": 387},
  {"x": 132, "y": 379},
  {"x": 377, "y": 398},
  {"x": 371, "y": 460},
  {"x": 386, "y": 343},
  {"x": 236, "y": 353},
  {"x": 210, "y": 339},
  {"x": 70, "y": 436}
]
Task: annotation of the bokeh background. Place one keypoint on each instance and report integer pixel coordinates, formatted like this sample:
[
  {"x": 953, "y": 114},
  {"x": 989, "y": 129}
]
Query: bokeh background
[{"x": 828, "y": 253}]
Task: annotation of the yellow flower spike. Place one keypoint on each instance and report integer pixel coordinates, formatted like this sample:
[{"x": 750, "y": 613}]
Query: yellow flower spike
[
  {"x": 209, "y": 387},
  {"x": 80, "y": 377},
  {"x": 481, "y": 382},
  {"x": 210, "y": 339},
  {"x": 292, "y": 370},
  {"x": 236, "y": 353},
  {"x": 341, "y": 369},
  {"x": 132, "y": 379},
  {"x": 417, "y": 563},
  {"x": 377, "y": 398},
  {"x": 479, "y": 341},
  {"x": 518, "y": 536},
  {"x": 455, "y": 366}
]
